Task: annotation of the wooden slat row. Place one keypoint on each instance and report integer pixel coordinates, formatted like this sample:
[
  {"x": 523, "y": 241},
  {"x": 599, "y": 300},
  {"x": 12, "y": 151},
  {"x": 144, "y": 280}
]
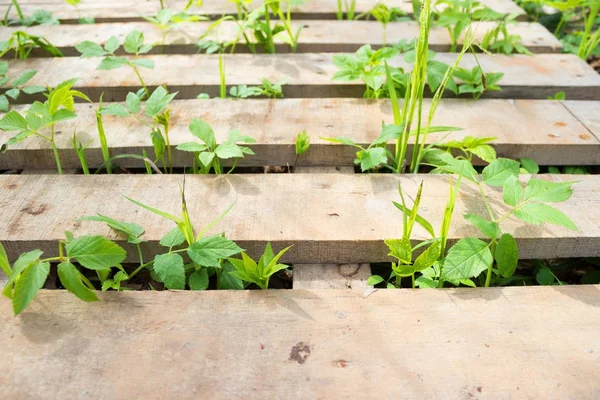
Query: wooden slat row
[
  {"x": 546, "y": 131},
  {"x": 132, "y": 10},
  {"x": 306, "y": 75},
  {"x": 328, "y": 218},
  {"x": 316, "y": 36}
]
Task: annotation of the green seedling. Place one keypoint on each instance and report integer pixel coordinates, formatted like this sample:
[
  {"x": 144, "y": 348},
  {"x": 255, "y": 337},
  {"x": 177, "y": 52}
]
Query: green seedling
[
  {"x": 166, "y": 20},
  {"x": 80, "y": 150},
  {"x": 86, "y": 20},
  {"x": 28, "y": 274},
  {"x": 39, "y": 17},
  {"x": 558, "y": 96},
  {"x": 43, "y": 117},
  {"x": 209, "y": 153},
  {"x": 155, "y": 108},
  {"x": 476, "y": 82},
  {"x": 102, "y": 137},
  {"x": 385, "y": 15},
  {"x": 134, "y": 45},
  {"x": 17, "y": 6},
  {"x": 22, "y": 44},
  {"x": 16, "y": 85},
  {"x": 259, "y": 273},
  {"x": 345, "y": 6},
  {"x": 302, "y": 145},
  {"x": 206, "y": 254},
  {"x": 498, "y": 40},
  {"x": 267, "y": 89},
  {"x": 242, "y": 7}
]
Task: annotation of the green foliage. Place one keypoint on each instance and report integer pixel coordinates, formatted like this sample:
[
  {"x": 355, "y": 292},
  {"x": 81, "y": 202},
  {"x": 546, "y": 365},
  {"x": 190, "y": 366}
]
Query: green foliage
[
  {"x": 267, "y": 89},
  {"x": 498, "y": 40},
  {"x": 346, "y": 6},
  {"x": 16, "y": 86},
  {"x": 259, "y": 273},
  {"x": 166, "y": 20},
  {"x": 22, "y": 44},
  {"x": 209, "y": 153}
]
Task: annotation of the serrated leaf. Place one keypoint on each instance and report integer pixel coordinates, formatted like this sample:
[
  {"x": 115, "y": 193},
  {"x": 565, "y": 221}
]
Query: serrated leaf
[
  {"x": 110, "y": 63},
  {"x": 203, "y": 131},
  {"x": 228, "y": 281},
  {"x": 13, "y": 93},
  {"x": 228, "y": 150},
  {"x": 372, "y": 158},
  {"x": 427, "y": 258},
  {"x": 484, "y": 152},
  {"x": 95, "y": 252},
  {"x": 34, "y": 89},
  {"x": 133, "y": 103},
  {"x": 507, "y": 255},
  {"x": 173, "y": 238},
  {"x": 158, "y": 100},
  {"x": 536, "y": 213},
  {"x": 530, "y": 165},
  {"x": 512, "y": 192},
  {"x": 90, "y": 49},
  {"x": 400, "y": 249},
  {"x": 206, "y": 157},
  {"x": 388, "y": 132},
  {"x": 488, "y": 228},
  {"x": 4, "y": 104},
  {"x": 133, "y": 41},
  {"x": 199, "y": 280},
  {"x": 23, "y": 78},
  {"x": 208, "y": 251},
  {"x": 70, "y": 277},
  {"x": 13, "y": 121},
  {"x": 144, "y": 63},
  {"x": 496, "y": 173},
  {"x": 467, "y": 259},
  {"x": 169, "y": 267},
  {"x": 374, "y": 280},
  {"x": 114, "y": 109},
  {"x": 28, "y": 284},
  {"x": 191, "y": 147},
  {"x": 544, "y": 276},
  {"x": 538, "y": 190},
  {"x": 159, "y": 144},
  {"x": 131, "y": 230},
  {"x": 112, "y": 44}
]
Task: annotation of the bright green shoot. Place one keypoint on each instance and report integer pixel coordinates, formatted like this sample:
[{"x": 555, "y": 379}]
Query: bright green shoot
[
  {"x": 259, "y": 273},
  {"x": 22, "y": 44},
  {"x": 346, "y": 6},
  {"x": 166, "y": 20}
]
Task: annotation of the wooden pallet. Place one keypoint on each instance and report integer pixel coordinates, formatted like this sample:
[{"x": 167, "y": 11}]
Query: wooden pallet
[
  {"x": 131, "y": 10},
  {"x": 536, "y": 342}
]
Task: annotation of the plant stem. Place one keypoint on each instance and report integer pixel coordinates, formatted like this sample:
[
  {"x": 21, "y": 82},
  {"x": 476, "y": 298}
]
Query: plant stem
[
  {"x": 162, "y": 5},
  {"x": 340, "y": 11},
  {"x": 140, "y": 78},
  {"x": 413, "y": 281},
  {"x": 18, "y": 8},
  {"x": 139, "y": 249},
  {"x": 169, "y": 151},
  {"x": 270, "y": 46},
  {"x": 223, "y": 83},
  {"x": 488, "y": 278},
  {"x": 55, "y": 151}
]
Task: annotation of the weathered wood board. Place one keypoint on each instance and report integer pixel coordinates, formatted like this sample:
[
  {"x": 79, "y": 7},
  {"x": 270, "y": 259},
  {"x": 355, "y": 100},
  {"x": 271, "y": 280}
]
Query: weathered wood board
[
  {"x": 331, "y": 276},
  {"x": 540, "y": 129},
  {"x": 514, "y": 342},
  {"x": 316, "y": 36},
  {"x": 128, "y": 10},
  {"x": 341, "y": 218},
  {"x": 305, "y": 75},
  {"x": 588, "y": 112}
]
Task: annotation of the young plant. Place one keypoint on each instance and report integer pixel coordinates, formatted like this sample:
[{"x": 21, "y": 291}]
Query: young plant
[
  {"x": 265, "y": 33},
  {"x": 498, "y": 40},
  {"x": 267, "y": 89},
  {"x": 343, "y": 6},
  {"x": 17, "y": 85},
  {"x": 476, "y": 82},
  {"x": 28, "y": 274},
  {"x": 166, "y": 20},
  {"x": 302, "y": 145},
  {"x": 384, "y": 15},
  {"x": 43, "y": 117},
  {"x": 259, "y": 273},
  {"x": 208, "y": 153},
  {"x": 80, "y": 151},
  {"x": 22, "y": 44},
  {"x": 206, "y": 254},
  {"x": 156, "y": 108},
  {"x": 134, "y": 45},
  {"x": 81, "y": 20},
  {"x": 39, "y": 17}
]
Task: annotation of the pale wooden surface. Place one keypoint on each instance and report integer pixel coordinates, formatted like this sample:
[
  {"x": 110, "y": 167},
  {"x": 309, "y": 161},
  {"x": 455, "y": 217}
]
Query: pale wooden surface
[
  {"x": 499, "y": 343},
  {"x": 306, "y": 75},
  {"x": 340, "y": 218},
  {"x": 3, "y": 279},
  {"x": 588, "y": 112},
  {"x": 316, "y": 36},
  {"x": 539, "y": 129},
  {"x": 113, "y": 10},
  {"x": 332, "y": 276}
]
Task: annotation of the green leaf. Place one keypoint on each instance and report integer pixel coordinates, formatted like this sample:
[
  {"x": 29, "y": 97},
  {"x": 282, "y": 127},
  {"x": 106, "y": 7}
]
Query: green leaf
[
  {"x": 485, "y": 152},
  {"x": 156, "y": 211},
  {"x": 13, "y": 121},
  {"x": 29, "y": 282},
  {"x": 133, "y": 41},
  {"x": 512, "y": 192},
  {"x": 228, "y": 150},
  {"x": 192, "y": 147},
  {"x": 467, "y": 259},
  {"x": 112, "y": 44},
  {"x": 70, "y": 277},
  {"x": 133, "y": 103},
  {"x": 203, "y": 131},
  {"x": 158, "y": 100},
  {"x": 114, "y": 109},
  {"x": 4, "y": 103},
  {"x": 530, "y": 165},
  {"x": 374, "y": 280},
  {"x": 428, "y": 257},
  {"x": 488, "y": 228},
  {"x": 4, "y": 264},
  {"x": 95, "y": 252},
  {"x": 208, "y": 251},
  {"x": 110, "y": 63},
  {"x": 418, "y": 219},
  {"x": 228, "y": 280},
  {"x": 536, "y": 213},
  {"x": 62, "y": 115},
  {"x": 173, "y": 238},
  {"x": 507, "y": 255},
  {"x": 500, "y": 170},
  {"x": 302, "y": 143},
  {"x": 206, "y": 157},
  {"x": 372, "y": 158},
  {"x": 23, "y": 78},
  {"x": 144, "y": 63},
  {"x": 388, "y": 132},
  {"x": 400, "y": 249},
  {"x": 538, "y": 190},
  {"x": 90, "y": 49},
  {"x": 544, "y": 276},
  {"x": 424, "y": 282},
  {"x": 132, "y": 230},
  {"x": 159, "y": 144},
  {"x": 34, "y": 89},
  {"x": 13, "y": 93},
  {"x": 199, "y": 280},
  {"x": 169, "y": 267}
]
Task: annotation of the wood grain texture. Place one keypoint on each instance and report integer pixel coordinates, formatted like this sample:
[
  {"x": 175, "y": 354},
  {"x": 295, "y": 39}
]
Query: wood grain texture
[
  {"x": 543, "y": 130},
  {"x": 316, "y": 36},
  {"x": 128, "y": 10},
  {"x": 588, "y": 112},
  {"x": 306, "y": 75},
  {"x": 331, "y": 276},
  {"x": 514, "y": 342},
  {"x": 330, "y": 219}
]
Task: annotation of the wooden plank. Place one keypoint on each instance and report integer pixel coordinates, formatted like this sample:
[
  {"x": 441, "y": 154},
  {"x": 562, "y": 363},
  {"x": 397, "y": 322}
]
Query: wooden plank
[
  {"x": 129, "y": 10},
  {"x": 332, "y": 276},
  {"x": 317, "y": 36},
  {"x": 539, "y": 129},
  {"x": 317, "y": 213},
  {"x": 306, "y": 344},
  {"x": 306, "y": 75},
  {"x": 588, "y": 112}
]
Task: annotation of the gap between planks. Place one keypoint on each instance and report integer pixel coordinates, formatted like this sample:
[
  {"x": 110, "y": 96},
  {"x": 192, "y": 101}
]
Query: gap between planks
[
  {"x": 306, "y": 344},
  {"x": 328, "y": 218},
  {"x": 132, "y": 10},
  {"x": 317, "y": 36},
  {"x": 306, "y": 75},
  {"x": 539, "y": 129}
]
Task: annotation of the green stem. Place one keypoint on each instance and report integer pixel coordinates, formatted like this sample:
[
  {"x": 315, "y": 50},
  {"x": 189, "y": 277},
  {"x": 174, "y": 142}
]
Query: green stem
[
  {"x": 223, "y": 83},
  {"x": 488, "y": 278},
  {"x": 169, "y": 150},
  {"x": 162, "y": 5},
  {"x": 18, "y": 8},
  {"x": 55, "y": 151},
  {"x": 140, "y": 78},
  {"x": 269, "y": 46},
  {"x": 139, "y": 249},
  {"x": 340, "y": 11},
  {"x": 413, "y": 281}
]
